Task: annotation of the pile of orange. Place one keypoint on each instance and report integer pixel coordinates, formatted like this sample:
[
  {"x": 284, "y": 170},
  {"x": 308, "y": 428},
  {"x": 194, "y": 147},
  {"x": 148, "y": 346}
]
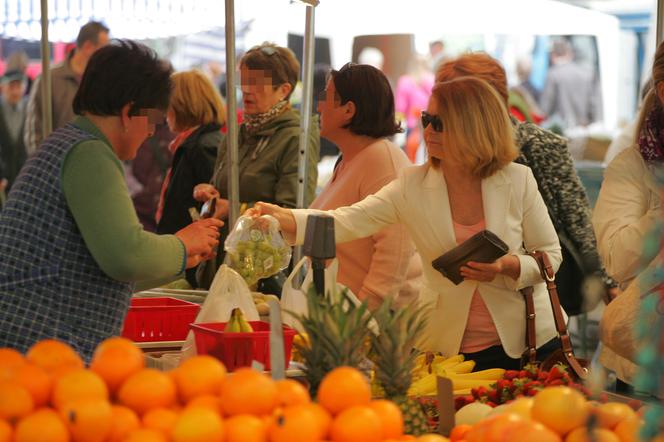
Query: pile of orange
[
  {"x": 48, "y": 395},
  {"x": 556, "y": 414}
]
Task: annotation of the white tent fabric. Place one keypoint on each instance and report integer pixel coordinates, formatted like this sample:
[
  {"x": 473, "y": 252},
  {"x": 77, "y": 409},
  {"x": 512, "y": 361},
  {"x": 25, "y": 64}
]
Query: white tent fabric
[{"x": 342, "y": 20}]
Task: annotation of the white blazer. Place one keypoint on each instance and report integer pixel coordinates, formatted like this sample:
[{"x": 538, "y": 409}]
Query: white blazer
[{"x": 513, "y": 210}]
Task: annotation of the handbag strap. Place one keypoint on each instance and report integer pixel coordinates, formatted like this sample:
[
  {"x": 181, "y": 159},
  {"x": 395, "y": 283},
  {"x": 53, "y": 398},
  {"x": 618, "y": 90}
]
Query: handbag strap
[{"x": 549, "y": 276}]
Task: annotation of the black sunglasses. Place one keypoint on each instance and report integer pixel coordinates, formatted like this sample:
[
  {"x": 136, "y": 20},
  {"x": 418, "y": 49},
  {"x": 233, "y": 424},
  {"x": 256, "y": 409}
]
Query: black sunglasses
[{"x": 435, "y": 122}]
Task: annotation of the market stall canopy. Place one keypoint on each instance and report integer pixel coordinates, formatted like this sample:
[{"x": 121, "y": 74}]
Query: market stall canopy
[{"x": 135, "y": 19}]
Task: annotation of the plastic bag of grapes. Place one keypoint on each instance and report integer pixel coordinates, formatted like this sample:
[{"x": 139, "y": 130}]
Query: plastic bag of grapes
[{"x": 255, "y": 248}]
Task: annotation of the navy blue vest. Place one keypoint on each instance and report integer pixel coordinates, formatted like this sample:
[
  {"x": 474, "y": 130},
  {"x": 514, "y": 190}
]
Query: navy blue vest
[{"x": 50, "y": 285}]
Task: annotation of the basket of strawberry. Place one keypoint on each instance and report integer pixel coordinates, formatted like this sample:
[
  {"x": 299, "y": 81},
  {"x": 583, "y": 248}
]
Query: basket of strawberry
[{"x": 516, "y": 383}]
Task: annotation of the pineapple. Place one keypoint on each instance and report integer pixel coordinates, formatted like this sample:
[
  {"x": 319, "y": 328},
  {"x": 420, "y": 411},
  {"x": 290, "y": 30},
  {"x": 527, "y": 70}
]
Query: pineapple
[
  {"x": 337, "y": 330},
  {"x": 394, "y": 358}
]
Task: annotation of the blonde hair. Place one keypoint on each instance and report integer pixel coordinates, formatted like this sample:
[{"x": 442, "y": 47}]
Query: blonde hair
[
  {"x": 651, "y": 100},
  {"x": 195, "y": 101},
  {"x": 477, "y": 131}
]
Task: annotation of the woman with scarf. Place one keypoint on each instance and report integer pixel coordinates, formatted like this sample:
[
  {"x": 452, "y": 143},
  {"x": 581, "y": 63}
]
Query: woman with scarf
[
  {"x": 195, "y": 114},
  {"x": 268, "y": 142},
  {"x": 629, "y": 201}
]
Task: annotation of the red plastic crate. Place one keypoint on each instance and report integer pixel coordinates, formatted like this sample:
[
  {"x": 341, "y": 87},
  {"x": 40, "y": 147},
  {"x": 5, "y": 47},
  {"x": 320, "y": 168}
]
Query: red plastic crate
[
  {"x": 159, "y": 319},
  {"x": 237, "y": 350}
]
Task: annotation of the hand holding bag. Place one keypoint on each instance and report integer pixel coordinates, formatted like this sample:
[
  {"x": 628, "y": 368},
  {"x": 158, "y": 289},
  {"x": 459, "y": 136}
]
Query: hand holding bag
[
  {"x": 483, "y": 247},
  {"x": 565, "y": 354}
]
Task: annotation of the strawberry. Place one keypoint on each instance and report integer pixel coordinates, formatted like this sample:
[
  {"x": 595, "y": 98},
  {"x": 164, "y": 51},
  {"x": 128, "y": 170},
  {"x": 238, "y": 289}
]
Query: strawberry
[
  {"x": 556, "y": 372},
  {"x": 511, "y": 374},
  {"x": 492, "y": 404},
  {"x": 603, "y": 398},
  {"x": 504, "y": 385},
  {"x": 493, "y": 396},
  {"x": 523, "y": 374},
  {"x": 459, "y": 402},
  {"x": 543, "y": 375},
  {"x": 555, "y": 383}
]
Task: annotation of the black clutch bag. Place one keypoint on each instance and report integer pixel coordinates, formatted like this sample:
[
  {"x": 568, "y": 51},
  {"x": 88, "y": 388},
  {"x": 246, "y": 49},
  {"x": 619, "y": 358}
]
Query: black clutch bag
[{"x": 482, "y": 247}]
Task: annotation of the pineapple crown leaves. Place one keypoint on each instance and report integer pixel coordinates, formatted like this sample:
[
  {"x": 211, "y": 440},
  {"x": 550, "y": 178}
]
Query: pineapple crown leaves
[
  {"x": 400, "y": 332},
  {"x": 337, "y": 329}
]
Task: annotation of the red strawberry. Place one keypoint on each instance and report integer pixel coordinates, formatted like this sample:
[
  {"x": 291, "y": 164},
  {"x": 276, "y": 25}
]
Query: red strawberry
[
  {"x": 523, "y": 374},
  {"x": 543, "y": 375},
  {"x": 459, "y": 402},
  {"x": 503, "y": 384},
  {"x": 635, "y": 404},
  {"x": 493, "y": 396},
  {"x": 555, "y": 373},
  {"x": 511, "y": 374},
  {"x": 555, "y": 383},
  {"x": 603, "y": 398}
]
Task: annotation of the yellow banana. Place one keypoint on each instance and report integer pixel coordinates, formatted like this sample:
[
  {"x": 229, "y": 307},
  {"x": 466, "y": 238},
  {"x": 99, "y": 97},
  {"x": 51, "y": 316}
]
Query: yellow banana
[
  {"x": 245, "y": 327},
  {"x": 449, "y": 362},
  {"x": 232, "y": 326},
  {"x": 462, "y": 392},
  {"x": 489, "y": 374},
  {"x": 462, "y": 367},
  {"x": 427, "y": 386},
  {"x": 462, "y": 384}
]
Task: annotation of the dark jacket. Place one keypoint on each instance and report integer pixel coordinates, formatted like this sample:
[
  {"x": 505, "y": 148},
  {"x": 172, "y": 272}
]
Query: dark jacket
[
  {"x": 12, "y": 152},
  {"x": 193, "y": 164}
]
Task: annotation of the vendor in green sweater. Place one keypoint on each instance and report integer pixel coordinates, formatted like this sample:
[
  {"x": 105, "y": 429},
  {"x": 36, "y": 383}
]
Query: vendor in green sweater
[{"x": 72, "y": 248}]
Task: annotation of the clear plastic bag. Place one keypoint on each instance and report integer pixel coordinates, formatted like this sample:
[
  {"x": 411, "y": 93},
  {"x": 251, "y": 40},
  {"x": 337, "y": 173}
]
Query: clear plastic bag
[{"x": 255, "y": 248}]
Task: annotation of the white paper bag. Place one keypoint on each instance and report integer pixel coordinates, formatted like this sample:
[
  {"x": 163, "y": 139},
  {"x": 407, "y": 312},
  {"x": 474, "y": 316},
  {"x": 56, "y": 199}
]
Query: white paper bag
[{"x": 228, "y": 291}]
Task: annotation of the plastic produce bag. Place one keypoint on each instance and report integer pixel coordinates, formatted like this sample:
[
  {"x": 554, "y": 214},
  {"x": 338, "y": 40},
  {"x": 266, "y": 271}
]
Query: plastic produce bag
[
  {"x": 228, "y": 291},
  {"x": 255, "y": 248},
  {"x": 294, "y": 300}
]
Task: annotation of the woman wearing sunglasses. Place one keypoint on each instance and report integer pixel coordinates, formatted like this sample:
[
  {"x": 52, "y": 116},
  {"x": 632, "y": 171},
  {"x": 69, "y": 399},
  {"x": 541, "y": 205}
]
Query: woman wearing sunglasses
[
  {"x": 268, "y": 142},
  {"x": 357, "y": 114},
  {"x": 71, "y": 246},
  {"x": 469, "y": 184}
]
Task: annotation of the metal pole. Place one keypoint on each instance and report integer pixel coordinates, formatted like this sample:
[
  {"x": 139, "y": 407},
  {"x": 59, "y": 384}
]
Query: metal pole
[
  {"x": 660, "y": 21},
  {"x": 231, "y": 103},
  {"x": 47, "y": 110},
  {"x": 307, "y": 92}
]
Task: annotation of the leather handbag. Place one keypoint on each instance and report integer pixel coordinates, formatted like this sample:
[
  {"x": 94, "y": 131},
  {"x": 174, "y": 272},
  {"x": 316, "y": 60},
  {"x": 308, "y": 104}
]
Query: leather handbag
[
  {"x": 565, "y": 354},
  {"x": 483, "y": 247}
]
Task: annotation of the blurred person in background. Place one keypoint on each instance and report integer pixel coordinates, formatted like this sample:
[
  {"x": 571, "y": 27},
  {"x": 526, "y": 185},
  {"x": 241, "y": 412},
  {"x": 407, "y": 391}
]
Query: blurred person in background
[
  {"x": 357, "y": 114},
  {"x": 570, "y": 96},
  {"x": 18, "y": 61},
  {"x": 524, "y": 96},
  {"x": 269, "y": 140},
  {"x": 73, "y": 251},
  {"x": 437, "y": 53},
  {"x": 548, "y": 157},
  {"x": 196, "y": 115},
  {"x": 12, "y": 120},
  {"x": 412, "y": 95},
  {"x": 65, "y": 79},
  {"x": 321, "y": 72}
]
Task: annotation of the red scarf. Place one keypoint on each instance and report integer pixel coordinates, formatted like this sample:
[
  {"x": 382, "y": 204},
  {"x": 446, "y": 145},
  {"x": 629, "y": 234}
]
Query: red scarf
[{"x": 173, "y": 147}]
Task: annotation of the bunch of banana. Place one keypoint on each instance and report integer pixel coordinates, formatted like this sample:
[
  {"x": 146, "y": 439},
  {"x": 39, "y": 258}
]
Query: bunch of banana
[
  {"x": 458, "y": 370},
  {"x": 260, "y": 301},
  {"x": 238, "y": 323}
]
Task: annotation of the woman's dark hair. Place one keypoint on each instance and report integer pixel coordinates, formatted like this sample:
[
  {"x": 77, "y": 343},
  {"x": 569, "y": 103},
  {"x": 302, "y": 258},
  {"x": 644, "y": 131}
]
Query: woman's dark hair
[
  {"x": 370, "y": 91},
  {"x": 280, "y": 62},
  {"x": 120, "y": 73}
]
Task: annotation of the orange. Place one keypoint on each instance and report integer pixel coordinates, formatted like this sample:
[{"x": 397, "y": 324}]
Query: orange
[
  {"x": 459, "y": 432},
  {"x": 298, "y": 423},
  {"x": 124, "y": 421},
  {"x": 198, "y": 425},
  {"x": 562, "y": 409},
  {"x": 628, "y": 429},
  {"x": 356, "y": 424},
  {"x": 611, "y": 414},
  {"x": 248, "y": 392},
  {"x": 291, "y": 392},
  {"x": 15, "y": 401},
  {"x": 78, "y": 384},
  {"x": 245, "y": 428},
  {"x": 6, "y": 431},
  {"x": 199, "y": 375},
  {"x": 343, "y": 388},
  {"x": 42, "y": 425},
  {"x": 528, "y": 431},
  {"x": 147, "y": 389},
  {"x": 145, "y": 435},
  {"x": 115, "y": 359},
  {"x": 10, "y": 359},
  {"x": 390, "y": 418},
  {"x": 34, "y": 379},
  {"x": 323, "y": 418},
  {"x": 494, "y": 428},
  {"x": 54, "y": 356},
  {"x": 432, "y": 438},
  {"x": 599, "y": 435},
  {"x": 88, "y": 420},
  {"x": 160, "y": 419},
  {"x": 207, "y": 401}
]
